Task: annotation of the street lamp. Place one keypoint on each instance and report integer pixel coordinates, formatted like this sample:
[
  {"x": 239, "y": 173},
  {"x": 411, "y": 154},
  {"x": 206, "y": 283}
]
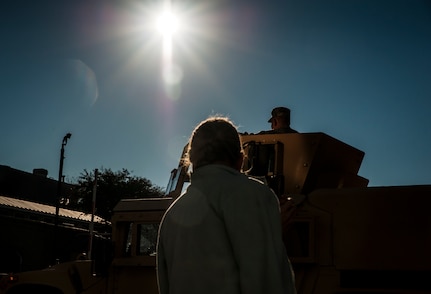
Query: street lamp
[{"x": 60, "y": 177}]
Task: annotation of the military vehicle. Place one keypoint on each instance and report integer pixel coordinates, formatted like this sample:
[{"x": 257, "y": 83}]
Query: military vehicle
[{"x": 341, "y": 235}]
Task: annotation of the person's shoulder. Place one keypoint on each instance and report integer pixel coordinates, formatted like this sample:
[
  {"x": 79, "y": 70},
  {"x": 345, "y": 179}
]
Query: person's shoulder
[
  {"x": 178, "y": 203},
  {"x": 266, "y": 132},
  {"x": 259, "y": 189},
  {"x": 287, "y": 130},
  {"x": 256, "y": 181},
  {"x": 254, "y": 184}
]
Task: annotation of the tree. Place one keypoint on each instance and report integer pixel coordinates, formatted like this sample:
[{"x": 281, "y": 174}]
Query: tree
[{"x": 111, "y": 188}]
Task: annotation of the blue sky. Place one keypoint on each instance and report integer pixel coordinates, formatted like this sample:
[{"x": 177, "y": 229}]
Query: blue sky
[{"x": 359, "y": 71}]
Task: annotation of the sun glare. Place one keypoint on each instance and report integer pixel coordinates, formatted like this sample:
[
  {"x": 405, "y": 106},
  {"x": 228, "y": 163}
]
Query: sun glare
[
  {"x": 173, "y": 27},
  {"x": 167, "y": 23}
]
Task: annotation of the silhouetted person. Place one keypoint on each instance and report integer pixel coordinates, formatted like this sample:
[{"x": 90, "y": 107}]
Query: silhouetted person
[
  {"x": 223, "y": 235},
  {"x": 280, "y": 121}
]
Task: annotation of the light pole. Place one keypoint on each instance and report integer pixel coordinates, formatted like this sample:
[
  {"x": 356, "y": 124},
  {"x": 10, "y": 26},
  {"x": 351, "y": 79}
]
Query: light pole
[{"x": 60, "y": 177}]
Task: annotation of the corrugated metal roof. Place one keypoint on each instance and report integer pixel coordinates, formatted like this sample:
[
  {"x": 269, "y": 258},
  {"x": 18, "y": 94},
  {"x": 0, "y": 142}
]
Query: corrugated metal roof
[{"x": 48, "y": 209}]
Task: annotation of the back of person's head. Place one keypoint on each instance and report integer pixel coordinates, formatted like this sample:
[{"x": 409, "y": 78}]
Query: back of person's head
[{"x": 214, "y": 140}]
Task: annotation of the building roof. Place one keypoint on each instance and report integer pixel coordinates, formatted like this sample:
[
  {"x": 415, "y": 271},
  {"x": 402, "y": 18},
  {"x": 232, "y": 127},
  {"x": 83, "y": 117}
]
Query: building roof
[{"x": 47, "y": 209}]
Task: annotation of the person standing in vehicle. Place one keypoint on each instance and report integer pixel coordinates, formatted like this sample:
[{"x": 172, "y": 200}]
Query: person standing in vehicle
[
  {"x": 223, "y": 235},
  {"x": 280, "y": 121}
]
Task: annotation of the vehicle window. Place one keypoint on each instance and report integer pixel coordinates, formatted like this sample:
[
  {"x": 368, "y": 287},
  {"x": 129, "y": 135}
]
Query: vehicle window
[
  {"x": 147, "y": 236},
  {"x": 128, "y": 236}
]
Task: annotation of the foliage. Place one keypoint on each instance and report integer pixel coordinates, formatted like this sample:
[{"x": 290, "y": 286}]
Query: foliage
[{"x": 111, "y": 188}]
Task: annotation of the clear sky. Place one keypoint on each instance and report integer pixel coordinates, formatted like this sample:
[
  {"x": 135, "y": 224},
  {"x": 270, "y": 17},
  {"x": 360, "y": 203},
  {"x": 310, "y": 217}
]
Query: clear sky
[{"x": 359, "y": 71}]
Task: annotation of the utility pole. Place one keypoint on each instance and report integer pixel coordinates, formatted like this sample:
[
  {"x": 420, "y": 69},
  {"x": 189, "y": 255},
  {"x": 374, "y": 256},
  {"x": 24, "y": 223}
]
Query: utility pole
[
  {"x": 60, "y": 181},
  {"x": 93, "y": 211}
]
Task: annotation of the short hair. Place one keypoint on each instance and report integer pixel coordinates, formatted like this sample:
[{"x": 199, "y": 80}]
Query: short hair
[{"x": 214, "y": 140}]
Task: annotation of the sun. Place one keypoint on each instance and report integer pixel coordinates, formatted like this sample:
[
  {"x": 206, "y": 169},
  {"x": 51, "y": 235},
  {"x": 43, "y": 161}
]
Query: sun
[{"x": 168, "y": 23}]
